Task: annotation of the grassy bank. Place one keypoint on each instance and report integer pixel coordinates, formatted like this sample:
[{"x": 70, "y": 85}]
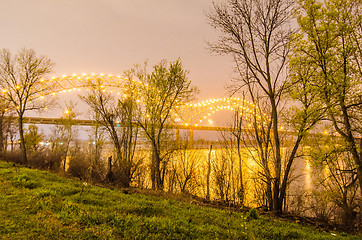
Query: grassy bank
[{"x": 40, "y": 205}]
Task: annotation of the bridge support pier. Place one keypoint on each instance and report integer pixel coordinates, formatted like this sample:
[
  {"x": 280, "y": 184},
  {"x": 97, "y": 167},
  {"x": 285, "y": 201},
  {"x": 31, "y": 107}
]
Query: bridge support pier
[
  {"x": 177, "y": 135},
  {"x": 191, "y": 137}
]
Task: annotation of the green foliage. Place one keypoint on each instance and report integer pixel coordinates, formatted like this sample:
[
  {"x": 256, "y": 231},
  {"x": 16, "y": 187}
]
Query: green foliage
[
  {"x": 252, "y": 214},
  {"x": 25, "y": 181},
  {"x": 33, "y": 138},
  {"x": 55, "y": 209}
]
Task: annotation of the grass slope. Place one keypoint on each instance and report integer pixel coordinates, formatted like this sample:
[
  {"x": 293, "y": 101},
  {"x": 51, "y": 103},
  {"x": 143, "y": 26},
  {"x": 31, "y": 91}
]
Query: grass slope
[{"x": 40, "y": 205}]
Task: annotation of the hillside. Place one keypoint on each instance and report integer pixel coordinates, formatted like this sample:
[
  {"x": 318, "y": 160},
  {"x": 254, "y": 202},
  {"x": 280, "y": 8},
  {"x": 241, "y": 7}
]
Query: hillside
[{"x": 40, "y": 205}]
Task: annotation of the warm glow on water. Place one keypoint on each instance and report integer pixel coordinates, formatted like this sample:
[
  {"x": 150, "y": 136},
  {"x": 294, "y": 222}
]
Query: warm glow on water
[
  {"x": 224, "y": 178},
  {"x": 307, "y": 175}
]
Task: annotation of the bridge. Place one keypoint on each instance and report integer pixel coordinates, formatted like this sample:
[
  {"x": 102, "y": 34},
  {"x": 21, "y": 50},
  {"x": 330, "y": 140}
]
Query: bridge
[{"x": 188, "y": 116}]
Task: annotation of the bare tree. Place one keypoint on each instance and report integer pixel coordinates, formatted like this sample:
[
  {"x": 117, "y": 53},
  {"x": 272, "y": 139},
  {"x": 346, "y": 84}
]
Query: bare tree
[
  {"x": 21, "y": 83},
  {"x": 257, "y": 35},
  {"x": 65, "y": 133},
  {"x": 5, "y": 120},
  {"x": 118, "y": 117}
]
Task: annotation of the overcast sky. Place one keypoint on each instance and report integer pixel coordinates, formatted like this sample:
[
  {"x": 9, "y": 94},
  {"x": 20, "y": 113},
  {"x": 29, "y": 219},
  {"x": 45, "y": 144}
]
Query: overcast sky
[{"x": 109, "y": 36}]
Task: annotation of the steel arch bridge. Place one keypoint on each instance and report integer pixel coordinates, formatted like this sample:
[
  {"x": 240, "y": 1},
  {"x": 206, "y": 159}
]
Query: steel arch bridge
[{"x": 187, "y": 115}]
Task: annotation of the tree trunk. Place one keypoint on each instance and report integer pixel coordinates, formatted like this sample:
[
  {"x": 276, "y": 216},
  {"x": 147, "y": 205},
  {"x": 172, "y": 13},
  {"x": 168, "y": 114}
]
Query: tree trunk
[
  {"x": 208, "y": 174},
  {"x": 2, "y": 148},
  {"x": 157, "y": 183},
  {"x": 22, "y": 141},
  {"x": 241, "y": 188}
]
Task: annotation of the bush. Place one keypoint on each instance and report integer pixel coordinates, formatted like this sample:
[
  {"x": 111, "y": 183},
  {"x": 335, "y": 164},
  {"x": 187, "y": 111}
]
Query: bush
[
  {"x": 79, "y": 164},
  {"x": 252, "y": 214}
]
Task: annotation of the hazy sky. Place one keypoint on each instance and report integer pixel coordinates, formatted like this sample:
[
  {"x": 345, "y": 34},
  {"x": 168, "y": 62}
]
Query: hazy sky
[{"x": 109, "y": 36}]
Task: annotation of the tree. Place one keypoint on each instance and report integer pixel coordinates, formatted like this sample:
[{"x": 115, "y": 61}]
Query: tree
[
  {"x": 162, "y": 92},
  {"x": 21, "y": 81},
  {"x": 33, "y": 138},
  {"x": 96, "y": 147},
  {"x": 330, "y": 43},
  {"x": 336, "y": 178},
  {"x": 65, "y": 133},
  {"x": 257, "y": 35},
  {"x": 5, "y": 122},
  {"x": 118, "y": 118}
]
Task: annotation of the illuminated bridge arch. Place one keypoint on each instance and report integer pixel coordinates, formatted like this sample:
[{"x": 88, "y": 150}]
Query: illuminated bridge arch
[
  {"x": 75, "y": 82},
  {"x": 195, "y": 114},
  {"x": 200, "y": 113}
]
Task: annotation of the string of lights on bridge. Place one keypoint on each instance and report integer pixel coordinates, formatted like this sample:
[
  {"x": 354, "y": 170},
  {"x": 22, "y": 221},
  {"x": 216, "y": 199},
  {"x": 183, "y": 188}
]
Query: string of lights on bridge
[{"x": 193, "y": 114}]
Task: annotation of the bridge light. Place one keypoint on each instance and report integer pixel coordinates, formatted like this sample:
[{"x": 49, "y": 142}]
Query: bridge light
[
  {"x": 17, "y": 87},
  {"x": 63, "y": 76},
  {"x": 4, "y": 91},
  {"x": 195, "y": 124},
  {"x": 41, "y": 80},
  {"x": 101, "y": 74},
  {"x": 210, "y": 121}
]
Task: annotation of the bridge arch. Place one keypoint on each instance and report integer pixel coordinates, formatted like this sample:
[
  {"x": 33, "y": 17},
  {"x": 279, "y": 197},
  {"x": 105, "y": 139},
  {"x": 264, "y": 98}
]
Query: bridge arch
[{"x": 188, "y": 114}]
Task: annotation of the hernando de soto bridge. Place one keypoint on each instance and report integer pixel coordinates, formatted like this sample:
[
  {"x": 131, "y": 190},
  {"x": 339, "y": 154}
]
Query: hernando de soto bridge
[{"x": 196, "y": 116}]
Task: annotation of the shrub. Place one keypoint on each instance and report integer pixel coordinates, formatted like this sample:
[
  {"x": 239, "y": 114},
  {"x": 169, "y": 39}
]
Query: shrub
[{"x": 252, "y": 214}]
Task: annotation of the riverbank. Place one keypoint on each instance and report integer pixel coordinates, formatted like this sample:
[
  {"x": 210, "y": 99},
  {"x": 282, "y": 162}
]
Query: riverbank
[{"x": 38, "y": 204}]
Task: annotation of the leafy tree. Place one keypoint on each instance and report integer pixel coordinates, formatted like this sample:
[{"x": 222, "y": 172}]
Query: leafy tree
[
  {"x": 257, "y": 35},
  {"x": 21, "y": 82},
  {"x": 33, "y": 138},
  {"x": 162, "y": 91},
  {"x": 330, "y": 43},
  {"x": 336, "y": 178}
]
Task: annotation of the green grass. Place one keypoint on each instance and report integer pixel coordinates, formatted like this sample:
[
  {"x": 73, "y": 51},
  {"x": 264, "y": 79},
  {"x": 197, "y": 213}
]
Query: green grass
[{"x": 40, "y": 205}]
